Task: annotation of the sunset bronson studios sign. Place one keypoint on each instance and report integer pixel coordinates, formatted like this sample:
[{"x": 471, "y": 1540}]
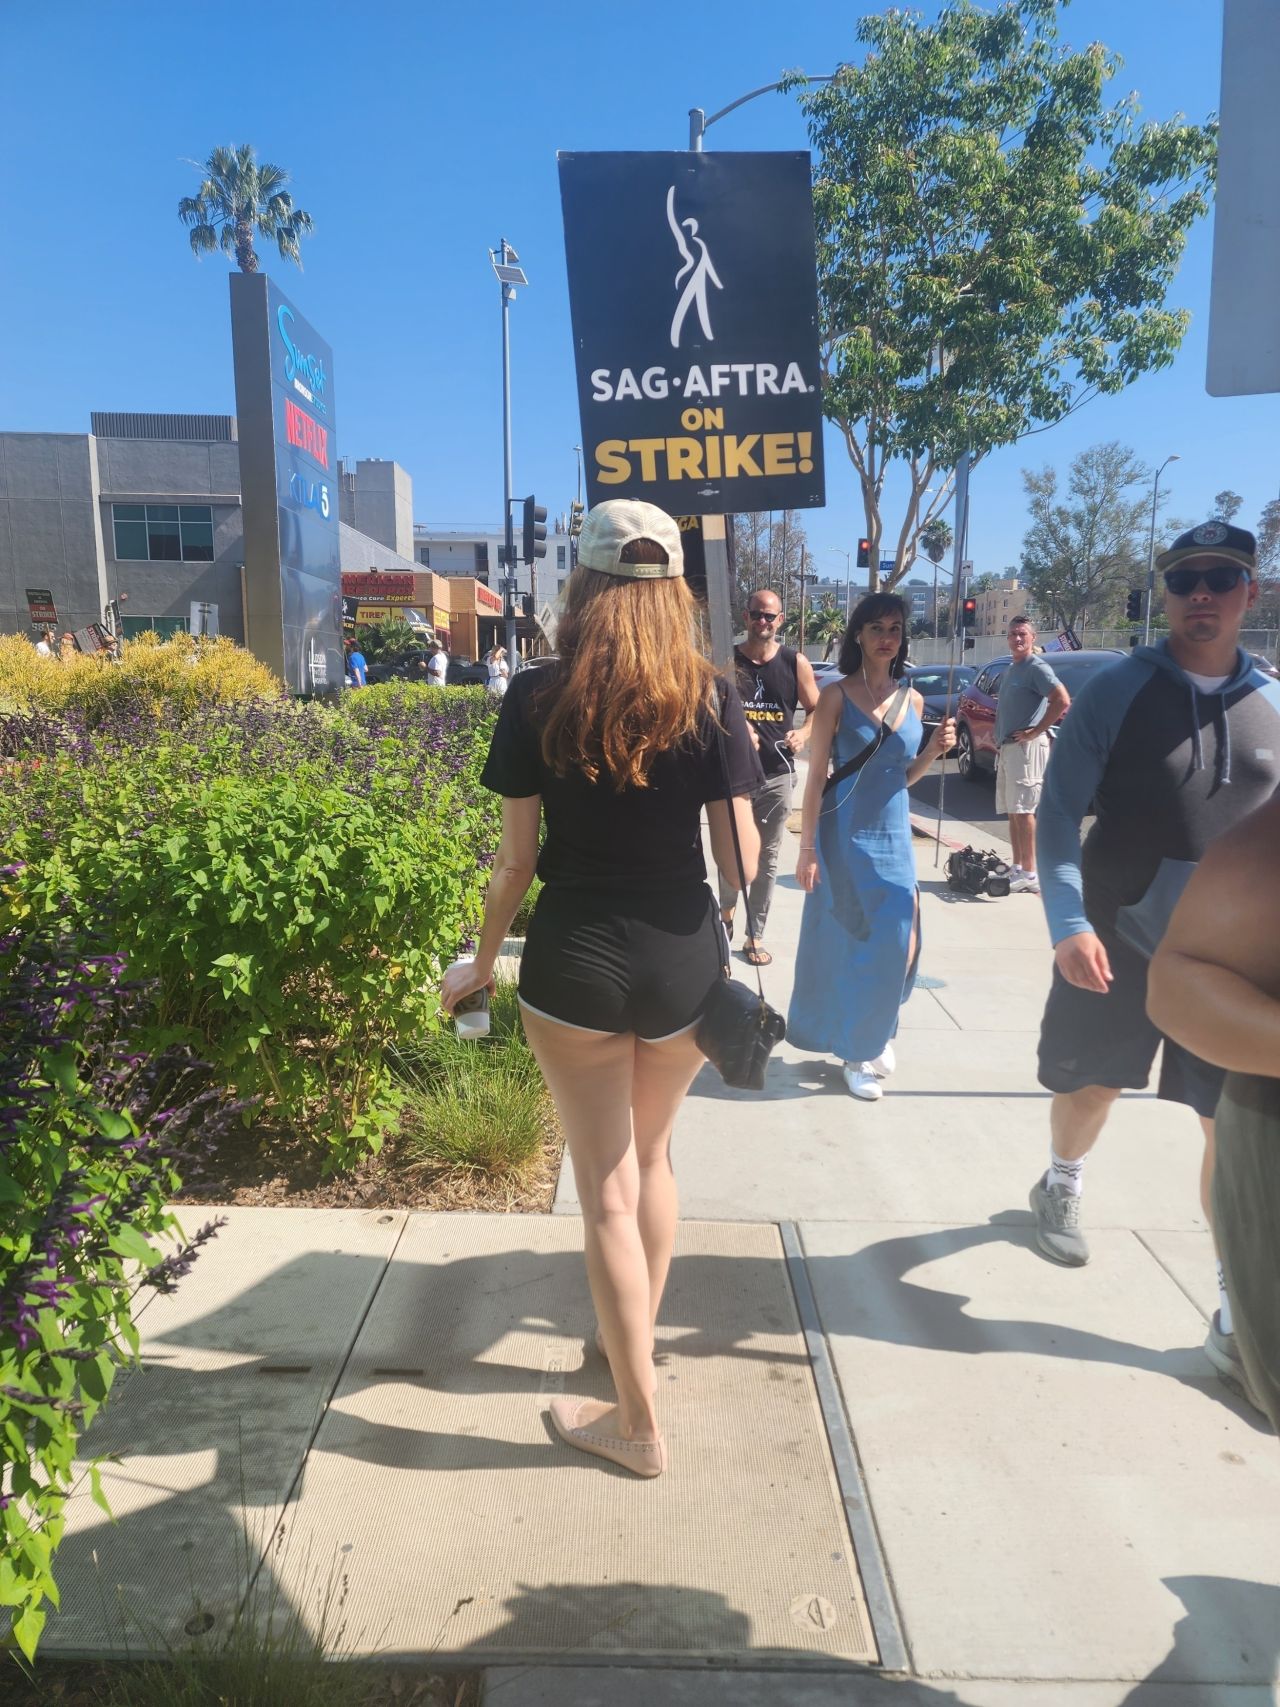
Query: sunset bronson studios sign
[
  {"x": 693, "y": 292},
  {"x": 289, "y": 485}
]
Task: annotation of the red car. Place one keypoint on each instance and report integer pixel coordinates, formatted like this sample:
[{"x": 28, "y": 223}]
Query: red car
[{"x": 976, "y": 715}]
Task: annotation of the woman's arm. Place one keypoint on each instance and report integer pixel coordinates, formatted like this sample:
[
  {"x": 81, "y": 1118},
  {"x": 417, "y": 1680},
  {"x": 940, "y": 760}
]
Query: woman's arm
[
  {"x": 941, "y": 741},
  {"x": 513, "y": 870},
  {"x": 824, "y": 720},
  {"x": 1214, "y": 984},
  {"x": 722, "y": 838}
]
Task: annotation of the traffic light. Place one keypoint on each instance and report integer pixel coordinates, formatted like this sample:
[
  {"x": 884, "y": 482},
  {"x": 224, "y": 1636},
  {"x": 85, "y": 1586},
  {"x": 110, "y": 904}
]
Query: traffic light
[
  {"x": 535, "y": 530},
  {"x": 576, "y": 511},
  {"x": 1133, "y": 605},
  {"x": 969, "y": 613},
  {"x": 864, "y": 554}
]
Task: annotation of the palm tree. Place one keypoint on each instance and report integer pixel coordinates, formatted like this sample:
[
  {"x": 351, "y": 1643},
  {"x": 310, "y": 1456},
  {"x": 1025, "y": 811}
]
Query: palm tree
[
  {"x": 936, "y": 540},
  {"x": 238, "y": 197},
  {"x": 828, "y": 627}
]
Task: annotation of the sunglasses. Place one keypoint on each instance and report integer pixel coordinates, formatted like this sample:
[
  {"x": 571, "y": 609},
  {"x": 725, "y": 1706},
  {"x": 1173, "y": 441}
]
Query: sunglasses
[
  {"x": 1221, "y": 578},
  {"x": 764, "y": 615}
]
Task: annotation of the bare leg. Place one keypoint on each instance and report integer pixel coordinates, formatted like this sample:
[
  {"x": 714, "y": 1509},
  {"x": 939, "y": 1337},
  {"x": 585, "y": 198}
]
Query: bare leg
[
  {"x": 1077, "y": 1117},
  {"x": 590, "y": 1076},
  {"x": 1028, "y": 861},
  {"x": 663, "y": 1074}
]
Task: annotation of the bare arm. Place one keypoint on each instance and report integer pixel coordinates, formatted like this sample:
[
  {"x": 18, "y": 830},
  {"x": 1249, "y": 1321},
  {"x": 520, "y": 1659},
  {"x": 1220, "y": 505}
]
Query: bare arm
[
  {"x": 807, "y": 684},
  {"x": 1059, "y": 700},
  {"x": 1214, "y": 984},
  {"x": 823, "y": 722},
  {"x": 722, "y": 838},
  {"x": 513, "y": 870}
]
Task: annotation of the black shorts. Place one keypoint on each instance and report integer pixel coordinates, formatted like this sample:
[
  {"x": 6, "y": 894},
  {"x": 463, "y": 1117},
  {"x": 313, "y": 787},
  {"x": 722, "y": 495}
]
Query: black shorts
[
  {"x": 605, "y": 962},
  {"x": 1090, "y": 1039}
]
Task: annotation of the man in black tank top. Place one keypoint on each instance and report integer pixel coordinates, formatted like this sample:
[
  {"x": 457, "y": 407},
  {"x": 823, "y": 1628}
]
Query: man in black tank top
[{"x": 773, "y": 681}]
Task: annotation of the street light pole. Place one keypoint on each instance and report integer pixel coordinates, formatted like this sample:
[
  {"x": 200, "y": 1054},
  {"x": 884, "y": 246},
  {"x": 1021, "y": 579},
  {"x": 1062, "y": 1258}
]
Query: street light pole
[
  {"x": 1151, "y": 547},
  {"x": 505, "y": 263}
]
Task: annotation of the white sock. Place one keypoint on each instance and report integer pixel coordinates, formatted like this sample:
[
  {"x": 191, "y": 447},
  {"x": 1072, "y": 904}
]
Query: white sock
[
  {"x": 1066, "y": 1174},
  {"x": 1224, "y": 1304}
]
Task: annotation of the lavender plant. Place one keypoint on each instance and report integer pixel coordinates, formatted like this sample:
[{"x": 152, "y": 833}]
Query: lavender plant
[{"x": 95, "y": 1135}]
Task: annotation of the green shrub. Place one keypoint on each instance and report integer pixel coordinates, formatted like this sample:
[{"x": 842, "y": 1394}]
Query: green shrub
[{"x": 289, "y": 879}]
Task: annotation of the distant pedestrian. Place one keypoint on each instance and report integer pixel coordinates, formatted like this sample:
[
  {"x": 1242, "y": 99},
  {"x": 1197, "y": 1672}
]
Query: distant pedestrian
[
  {"x": 1169, "y": 748},
  {"x": 67, "y": 648},
  {"x": 499, "y": 670},
  {"x": 42, "y": 644},
  {"x": 619, "y": 741},
  {"x": 1030, "y": 702},
  {"x": 773, "y": 680},
  {"x": 860, "y": 931},
  {"x": 1215, "y": 988},
  {"x": 357, "y": 668},
  {"x": 437, "y": 666}
]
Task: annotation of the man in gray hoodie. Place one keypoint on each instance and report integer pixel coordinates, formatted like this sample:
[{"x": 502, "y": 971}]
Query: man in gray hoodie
[{"x": 1170, "y": 748}]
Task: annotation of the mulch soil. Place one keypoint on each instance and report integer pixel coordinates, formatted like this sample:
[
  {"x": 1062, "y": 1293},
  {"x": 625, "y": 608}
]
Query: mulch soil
[
  {"x": 257, "y": 1168},
  {"x": 88, "y": 1683}
]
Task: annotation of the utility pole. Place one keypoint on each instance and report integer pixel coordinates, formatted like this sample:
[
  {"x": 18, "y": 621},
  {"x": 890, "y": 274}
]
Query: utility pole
[{"x": 1151, "y": 547}]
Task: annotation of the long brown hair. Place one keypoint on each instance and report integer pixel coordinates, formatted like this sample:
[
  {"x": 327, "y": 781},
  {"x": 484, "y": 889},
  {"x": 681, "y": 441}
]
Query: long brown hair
[{"x": 631, "y": 683}]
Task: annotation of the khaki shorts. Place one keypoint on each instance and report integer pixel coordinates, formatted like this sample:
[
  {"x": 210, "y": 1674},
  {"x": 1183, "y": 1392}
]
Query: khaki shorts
[{"x": 1020, "y": 773}]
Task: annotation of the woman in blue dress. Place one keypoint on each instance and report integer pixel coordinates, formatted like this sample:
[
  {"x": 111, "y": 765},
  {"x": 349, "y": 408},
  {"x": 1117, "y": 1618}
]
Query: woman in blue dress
[{"x": 860, "y": 935}]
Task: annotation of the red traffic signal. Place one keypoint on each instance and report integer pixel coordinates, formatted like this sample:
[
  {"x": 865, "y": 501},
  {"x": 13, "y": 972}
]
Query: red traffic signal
[
  {"x": 969, "y": 613},
  {"x": 864, "y": 554}
]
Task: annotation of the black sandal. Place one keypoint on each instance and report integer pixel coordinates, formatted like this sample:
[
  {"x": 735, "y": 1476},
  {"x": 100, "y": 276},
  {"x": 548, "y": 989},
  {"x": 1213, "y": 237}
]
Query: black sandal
[{"x": 754, "y": 955}]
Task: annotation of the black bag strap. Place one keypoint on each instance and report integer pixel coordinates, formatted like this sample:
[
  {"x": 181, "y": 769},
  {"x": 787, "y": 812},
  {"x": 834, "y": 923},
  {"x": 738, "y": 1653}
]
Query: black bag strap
[
  {"x": 733, "y": 820},
  {"x": 887, "y": 723}
]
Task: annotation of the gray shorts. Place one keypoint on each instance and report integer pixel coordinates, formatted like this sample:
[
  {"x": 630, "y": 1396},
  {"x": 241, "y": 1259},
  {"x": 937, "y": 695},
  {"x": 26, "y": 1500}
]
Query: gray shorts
[{"x": 1020, "y": 774}]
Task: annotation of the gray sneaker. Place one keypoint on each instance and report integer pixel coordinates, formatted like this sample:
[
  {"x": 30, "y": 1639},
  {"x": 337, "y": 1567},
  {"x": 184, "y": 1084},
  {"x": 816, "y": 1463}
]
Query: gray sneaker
[
  {"x": 1224, "y": 1354},
  {"x": 1057, "y": 1213}
]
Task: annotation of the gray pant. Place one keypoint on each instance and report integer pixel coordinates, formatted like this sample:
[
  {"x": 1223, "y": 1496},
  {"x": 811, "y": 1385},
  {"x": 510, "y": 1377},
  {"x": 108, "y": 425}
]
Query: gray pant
[{"x": 771, "y": 807}]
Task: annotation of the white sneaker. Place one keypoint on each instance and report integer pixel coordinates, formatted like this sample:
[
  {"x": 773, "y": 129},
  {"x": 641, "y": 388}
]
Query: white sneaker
[
  {"x": 1025, "y": 883},
  {"x": 861, "y": 1081},
  {"x": 884, "y": 1063}
]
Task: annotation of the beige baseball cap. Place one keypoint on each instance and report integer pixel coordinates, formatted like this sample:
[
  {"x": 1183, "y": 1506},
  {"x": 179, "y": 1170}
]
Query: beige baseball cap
[{"x": 616, "y": 523}]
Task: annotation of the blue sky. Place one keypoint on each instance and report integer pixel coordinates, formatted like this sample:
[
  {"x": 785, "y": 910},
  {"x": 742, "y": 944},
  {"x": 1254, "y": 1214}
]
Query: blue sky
[{"x": 418, "y": 135}]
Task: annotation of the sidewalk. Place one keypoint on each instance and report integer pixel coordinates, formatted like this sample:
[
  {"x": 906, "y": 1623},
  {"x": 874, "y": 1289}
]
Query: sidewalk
[{"x": 1051, "y": 1498}]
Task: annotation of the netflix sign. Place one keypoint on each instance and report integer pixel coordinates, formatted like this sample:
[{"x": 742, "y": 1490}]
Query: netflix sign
[{"x": 286, "y": 411}]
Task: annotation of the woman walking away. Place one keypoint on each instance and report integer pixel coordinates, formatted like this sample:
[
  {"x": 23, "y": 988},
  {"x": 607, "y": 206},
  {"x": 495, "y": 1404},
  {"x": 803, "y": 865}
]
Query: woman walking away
[
  {"x": 499, "y": 671},
  {"x": 860, "y": 934},
  {"x": 618, "y": 740}
]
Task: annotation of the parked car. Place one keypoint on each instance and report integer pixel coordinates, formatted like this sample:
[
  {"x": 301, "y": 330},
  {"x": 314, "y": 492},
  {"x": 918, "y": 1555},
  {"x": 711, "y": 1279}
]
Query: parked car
[
  {"x": 930, "y": 682},
  {"x": 1265, "y": 664},
  {"x": 825, "y": 674},
  {"x": 976, "y": 752},
  {"x": 464, "y": 672}
]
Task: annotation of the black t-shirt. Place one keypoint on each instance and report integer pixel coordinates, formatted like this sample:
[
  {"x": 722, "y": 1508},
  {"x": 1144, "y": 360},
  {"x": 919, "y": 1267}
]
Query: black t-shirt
[
  {"x": 770, "y": 694},
  {"x": 631, "y": 839}
]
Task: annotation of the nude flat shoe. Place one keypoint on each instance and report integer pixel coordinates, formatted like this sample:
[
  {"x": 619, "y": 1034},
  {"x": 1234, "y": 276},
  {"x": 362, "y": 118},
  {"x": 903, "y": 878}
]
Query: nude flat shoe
[{"x": 647, "y": 1458}]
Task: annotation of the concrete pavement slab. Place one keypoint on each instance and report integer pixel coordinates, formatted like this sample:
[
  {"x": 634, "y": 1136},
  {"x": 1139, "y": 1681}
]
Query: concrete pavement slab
[
  {"x": 210, "y": 1434},
  {"x": 1062, "y": 1488},
  {"x": 575, "y": 1686},
  {"x": 436, "y": 1454},
  {"x": 1188, "y": 1258}
]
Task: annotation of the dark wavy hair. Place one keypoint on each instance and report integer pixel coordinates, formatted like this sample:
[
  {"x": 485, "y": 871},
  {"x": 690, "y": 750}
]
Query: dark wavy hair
[{"x": 870, "y": 609}]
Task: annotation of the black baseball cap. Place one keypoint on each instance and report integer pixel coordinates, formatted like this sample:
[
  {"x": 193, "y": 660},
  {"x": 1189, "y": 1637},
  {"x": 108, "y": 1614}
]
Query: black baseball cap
[{"x": 1212, "y": 542}]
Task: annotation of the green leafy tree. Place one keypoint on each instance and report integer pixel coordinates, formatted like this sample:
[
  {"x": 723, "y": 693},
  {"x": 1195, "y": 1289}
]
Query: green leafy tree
[
  {"x": 1266, "y": 613},
  {"x": 1085, "y": 548},
  {"x": 238, "y": 198},
  {"x": 1226, "y": 504},
  {"x": 995, "y": 242}
]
